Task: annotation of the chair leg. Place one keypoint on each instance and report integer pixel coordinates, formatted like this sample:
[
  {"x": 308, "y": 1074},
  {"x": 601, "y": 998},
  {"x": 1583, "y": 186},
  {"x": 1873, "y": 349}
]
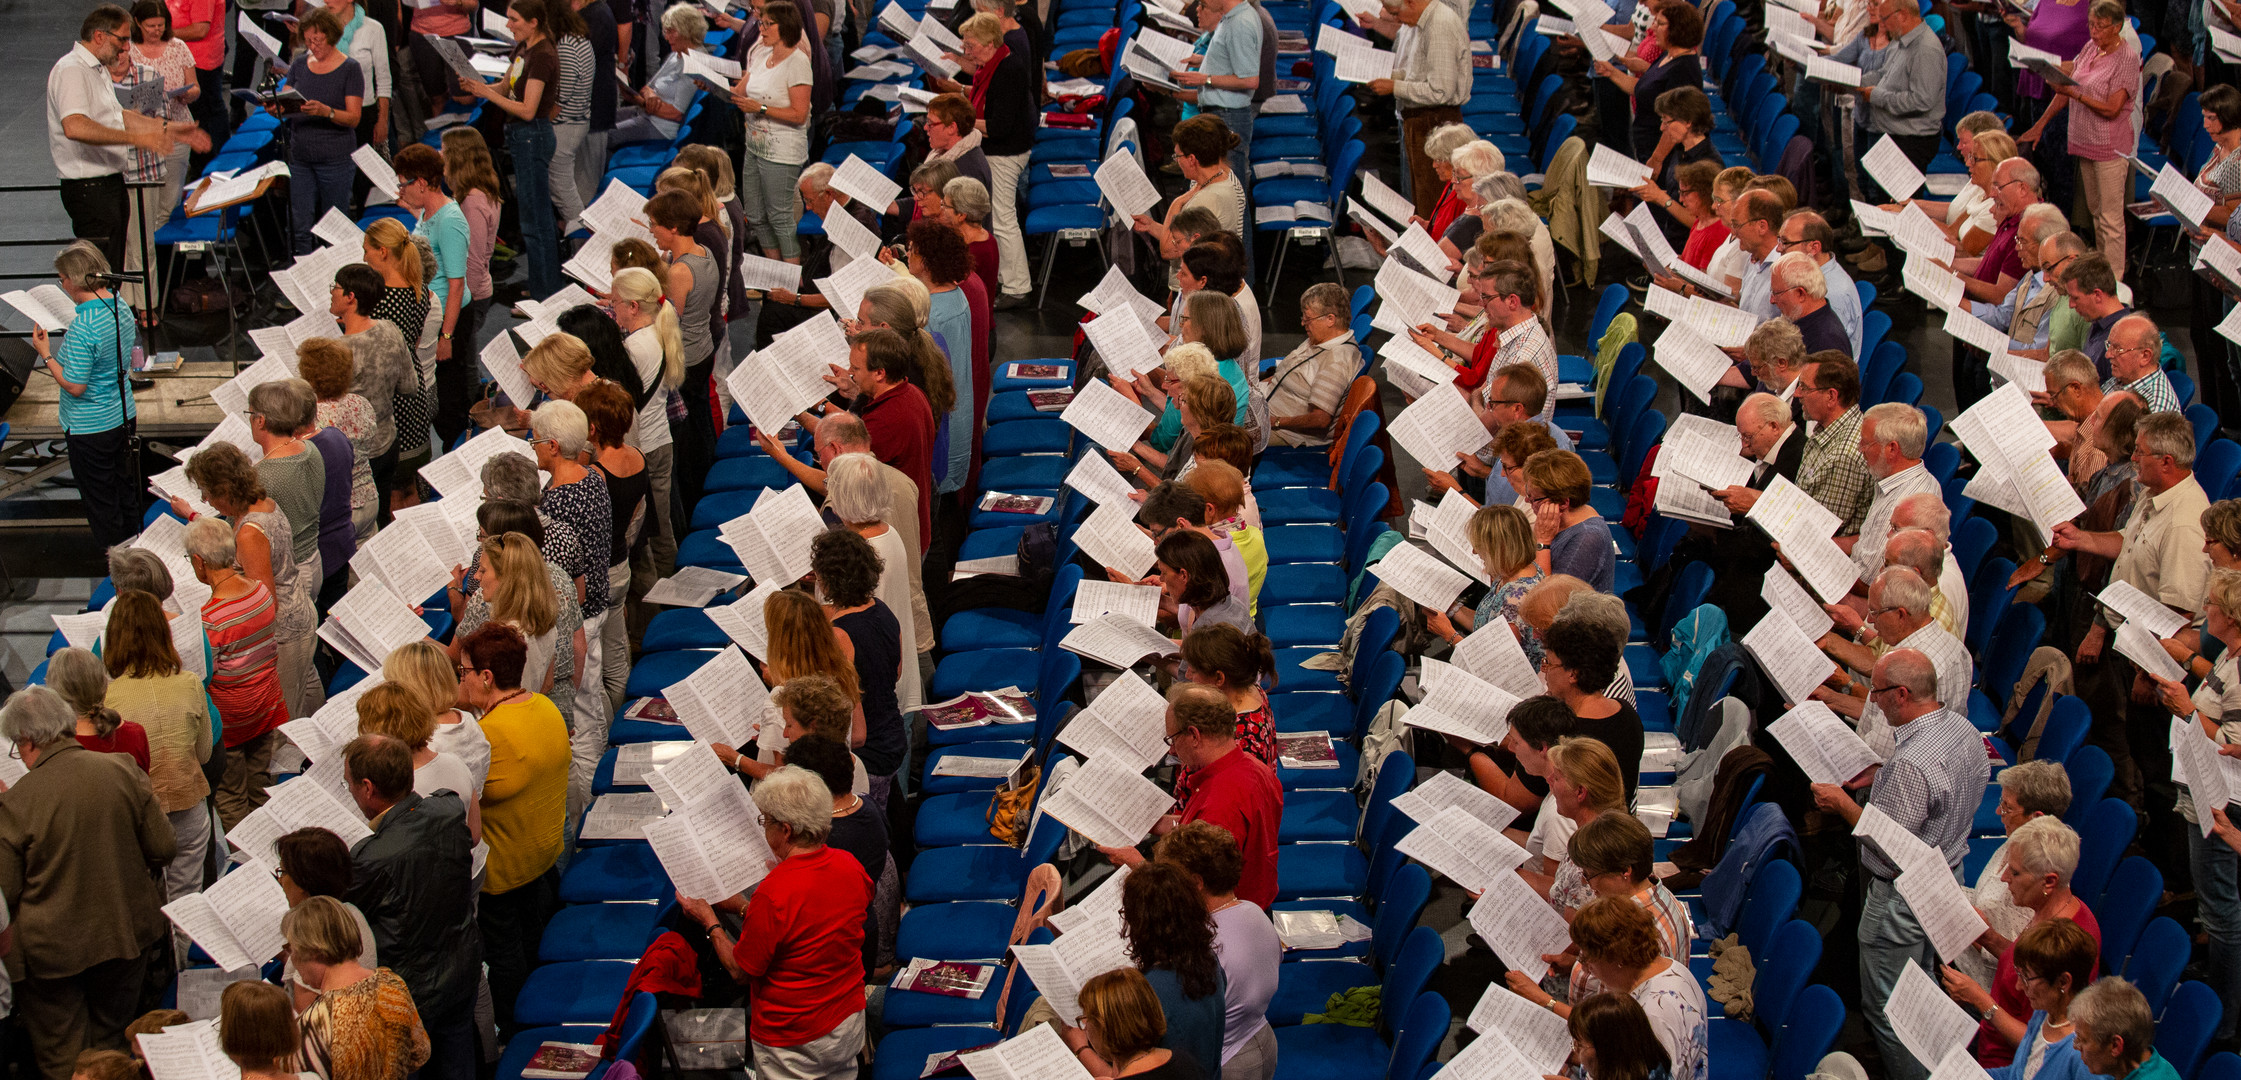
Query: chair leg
[{"x": 1050, "y": 256}]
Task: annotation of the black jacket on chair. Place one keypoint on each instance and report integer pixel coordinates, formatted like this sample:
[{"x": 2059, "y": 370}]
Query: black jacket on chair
[
  {"x": 413, "y": 880},
  {"x": 1741, "y": 556}
]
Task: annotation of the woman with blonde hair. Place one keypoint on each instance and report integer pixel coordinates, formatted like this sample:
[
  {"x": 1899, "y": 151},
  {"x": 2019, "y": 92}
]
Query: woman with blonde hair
[
  {"x": 1502, "y": 538},
  {"x": 559, "y": 366},
  {"x": 651, "y": 336},
  {"x": 148, "y": 687},
  {"x": 362, "y": 1025},
  {"x": 803, "y": 641},
  {"x": 519, "y": 593},
  {"x": 1158, "y": 388},
  {"x": 1202, "y": 402},
  {"x": 402, "y": 714},
  {"x": 1123, "y": 1027},
  {"x": 78, "y": 676},
  {"x": 424, "y": 668},
  {"x": 1583, "y": 782}
]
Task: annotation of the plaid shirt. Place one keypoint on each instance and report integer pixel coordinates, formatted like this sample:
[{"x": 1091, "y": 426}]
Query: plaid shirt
[
  {"x": 1931, "y": 787},
  {"x": 142, "y": 90},
  {"x": 1833, "y": 472},
  {"x": 2154, "y": 389},
  {"x": 1527, "y": 343}
]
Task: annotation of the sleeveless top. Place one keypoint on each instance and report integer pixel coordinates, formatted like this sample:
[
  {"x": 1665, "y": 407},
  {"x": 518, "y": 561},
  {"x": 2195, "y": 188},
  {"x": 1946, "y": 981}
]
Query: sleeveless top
[
  {"x": 298, "y": 483},
  {"x": 628, "y": 496},
  {"x": 699, "y": 307},
  {"x": 877, "y": 637},
  {"x": 274, "y": 524}
]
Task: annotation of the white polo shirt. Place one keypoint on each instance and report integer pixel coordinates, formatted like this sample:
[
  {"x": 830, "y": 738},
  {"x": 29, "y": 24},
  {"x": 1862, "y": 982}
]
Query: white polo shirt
[{"x": 79, "y": 85}]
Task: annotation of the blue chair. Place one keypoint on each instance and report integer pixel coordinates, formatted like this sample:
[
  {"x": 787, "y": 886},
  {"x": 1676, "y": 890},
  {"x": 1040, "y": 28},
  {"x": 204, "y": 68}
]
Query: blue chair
[
  {"x": 1971, "y": 541},
  {"x": 2217, "y": 464},
  {"x": 614, "y": 872},
  {"x": 637, "y": 1024},
  {"x": 620, "y": 930},
  {"x": 979, "y": 872},
  {"x": 1001, "y": 664},
  {"x": 2101, "y": 842},
  {"x": 1988, "y": 599},
  {"x": 1341, "y": 1052},
  {"x": 2157, "y": 959},
  {"x": 2223, "y": 1065},
  {"x": 1303, "y": 985},
  {"x": 582, "y": 992},
  {"x": 2182, "y": 1033},
  {"x": 2019, "y": 632},
  {"x": 1771, "y": 900},
  {"x": 2090, "y": 773},
  {"x": 1746, "y": 1048},
  {"x": 2065, "y": 730},
  {"x": 1814, "y": 1022},
  {"x": 1422, "y": 1030},
  {"x": 2124, "y": 911},
  {"x": 989, "y": 629}
]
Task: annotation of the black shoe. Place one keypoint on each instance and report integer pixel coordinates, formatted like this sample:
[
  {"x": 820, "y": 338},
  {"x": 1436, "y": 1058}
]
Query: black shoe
[{"x": 1009, "y": 301}]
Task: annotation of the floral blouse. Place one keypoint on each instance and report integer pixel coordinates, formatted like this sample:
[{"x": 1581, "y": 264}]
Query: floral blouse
[
  {"x": 1501, "y": 603},
  {"x": 368, "y": 1030},
  {"x": 354, "y": 417}
]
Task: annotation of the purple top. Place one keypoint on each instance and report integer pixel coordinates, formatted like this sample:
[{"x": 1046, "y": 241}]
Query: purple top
[
  {"x": 338, "y": 538},
  {"x": 2058, "y": 26}
]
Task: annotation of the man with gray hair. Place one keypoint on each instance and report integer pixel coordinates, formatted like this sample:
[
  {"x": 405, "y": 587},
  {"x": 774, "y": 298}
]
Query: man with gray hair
[
  {"x": 1776, "y": 353},
  {"x": 820, "y": 257},
  {"x": 2135, "y": 359},
  {"x": 1924, "y": 554},
  {"x": 1900, "y": 600},
  {"x": 1800, "y": 293},
  {"x": 1928, "y": 512},
  {"x": 1892, "y": 438},
  {"x": 2023, "y": 314},
  {"x": 2159, "y": 552},
  {"x": 1309, "y": 384},
  {"x": 1929, "y": 785},
  {"x": 83, "y": 844},
  {"x": 1740, "y": 557},
  {"x": 1806, "y": 232}
]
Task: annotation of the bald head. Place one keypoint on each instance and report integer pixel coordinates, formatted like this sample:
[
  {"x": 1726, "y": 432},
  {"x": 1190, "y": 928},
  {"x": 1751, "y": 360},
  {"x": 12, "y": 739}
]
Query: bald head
[
  {"x": 1923, "y": 510},
  {"x": 1916, "y": 550},
  {"x": 845, "y": 432},
  {"x": 2135, "y": 348},
  {"x": 1907, "y": 676}
]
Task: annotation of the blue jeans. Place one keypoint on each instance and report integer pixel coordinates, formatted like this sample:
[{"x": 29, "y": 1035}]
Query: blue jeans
[
  {"x": 530, "y": 142},
  {"x": 2217, "y": 892},
  {"x": 314, "y": 187},
  {"x": 1889, "y": 937},
  {"x": 1241, "y": 163}
]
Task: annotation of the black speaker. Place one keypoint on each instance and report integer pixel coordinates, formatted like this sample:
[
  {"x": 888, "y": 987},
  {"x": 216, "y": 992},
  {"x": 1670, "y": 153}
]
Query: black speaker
[{"x": 17, "y": 358}]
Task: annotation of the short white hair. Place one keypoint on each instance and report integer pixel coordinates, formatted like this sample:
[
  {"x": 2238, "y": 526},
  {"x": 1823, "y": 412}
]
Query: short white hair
[
  {"x": 564, "y": 423},
  {"x": 1903, "y": 587},
  {"x": 211, "y": 540},
  {"x": 37, "y": 715},
  {"x": 1478, "y": 158},
  {"x": 686, "y": 21},
  {"x": 2044, "y": 845},
  {"x": 856, "y": 488},
  {"x": 798, "y": 799},
  {"x": 1509, "y": 215},
  {"x": 817, "y": 177},
  {"x": 1798, "y": 270},
  {"x": 1764, "y": 409},
  {"x": 1925, "y": 511},
  {"x": 2040, "y": 787},
  {"x": 1189, "y": 359},
  {"x": 1900, "y": 423},
  {"x": 1917, "y": 550}
]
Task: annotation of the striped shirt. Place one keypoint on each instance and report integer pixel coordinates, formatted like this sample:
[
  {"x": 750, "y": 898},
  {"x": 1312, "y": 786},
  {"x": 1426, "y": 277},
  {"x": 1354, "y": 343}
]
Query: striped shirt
[
  {"x": 1955, "y": 670},
  {"x": 1931, "y": 787},
  {"x": 1527, "y": 343},
  {"x": 576, "y": 65},
  {"x": 244, "y": 650},
  {"x": 1833, "y": 472},
  {"x": 2154, "y": 389},
  {"x": 1868, "y": 553}
]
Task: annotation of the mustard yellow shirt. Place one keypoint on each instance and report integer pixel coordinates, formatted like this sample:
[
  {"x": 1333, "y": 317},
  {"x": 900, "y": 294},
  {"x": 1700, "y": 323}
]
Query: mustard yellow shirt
[{"x": 525, "y": 801}]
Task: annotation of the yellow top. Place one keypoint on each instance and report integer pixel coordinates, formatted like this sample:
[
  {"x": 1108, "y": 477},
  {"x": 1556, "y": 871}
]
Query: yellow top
[
  {"x": 525, "y": 801},
  {"x": 1254, "y": 550}
]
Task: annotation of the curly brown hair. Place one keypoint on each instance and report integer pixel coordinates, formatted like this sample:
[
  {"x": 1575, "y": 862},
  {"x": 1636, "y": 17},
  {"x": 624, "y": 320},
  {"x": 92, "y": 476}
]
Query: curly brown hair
[
  {"x": 327, "y": 365},
  {"x": 225, "y": 475},
  {"x": 846, "y": 566},
  {"x": 1207, "y": 852},
  {"x": 941, "y": 249},
  {"x": 1167, "y": 926},
  {"x": 607, "y": 406},
  {"x": 1613, "y": 929}
]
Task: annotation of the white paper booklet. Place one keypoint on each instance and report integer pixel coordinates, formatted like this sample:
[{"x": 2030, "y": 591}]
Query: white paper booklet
[{"x": 237, "y": 920}]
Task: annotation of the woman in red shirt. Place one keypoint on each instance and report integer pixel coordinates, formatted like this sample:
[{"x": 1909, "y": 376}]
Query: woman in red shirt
[
  {"x": 799, "y": 949},
  {"x": 80, "y": 678},
  {"x": 1709, "y": 232}
]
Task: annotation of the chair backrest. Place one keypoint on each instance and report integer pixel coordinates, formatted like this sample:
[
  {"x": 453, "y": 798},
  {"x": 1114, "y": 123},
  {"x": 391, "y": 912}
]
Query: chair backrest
[
  {"x": 1061, "y": 601},
  {"x": 1377, "y": 634},
  {"x": 1359, "y": 428},
  {"x": 1646, "y": 431},
  {"x": 2223, "y": 1065},
  {"x": 2108, "y": 831},
  {"x": 1971, "y": 542},
  {"x": 1988, "y": 598},
  {"x": 2157, "y": 959},
  {"x": 1782, "y": 973},
  {"x": 637, "y": 1023},
  {"x": 2090, "y": 773},
  {"x": 2065, "y": 729},
  {"x": 2217, "y": 464},
  {"x": 2124, "y": 912},
  {"x": 1958, "y": 505},
  {"x": 2182, "y": 386},
  {"x": 1394, "y": 775},
  {"x": 1607, "y": 308},
  {"x": 1406, "y": 976},
  {"x": 2205, "y": 421},
  {"x": 1814, "y": 1021},
  {"x": 1422, "y": 1029},
  {"x": 1942, "y": 459},
  {"x": 1933, "y": 421},
  {"x": 1343, "y": 168},
  {"x": 1906, "y": 389},
  {"x": 1773, "y": 896},
  {"x": 2020, "y": 629},
  {"x": 2182, "y": 1033},
  {"x": 1689, "y": 590},
  {"x": 1397, "y": 912},
  {"x": 1372, "y": 690}
]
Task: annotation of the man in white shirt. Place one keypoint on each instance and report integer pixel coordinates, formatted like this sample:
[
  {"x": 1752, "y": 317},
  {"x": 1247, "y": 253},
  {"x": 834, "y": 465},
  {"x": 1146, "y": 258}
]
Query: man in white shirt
[
  {"x": 89, "y": 133},
  {"x": 1892, "y": 437},
  {"x": 1902, "y": 621}
]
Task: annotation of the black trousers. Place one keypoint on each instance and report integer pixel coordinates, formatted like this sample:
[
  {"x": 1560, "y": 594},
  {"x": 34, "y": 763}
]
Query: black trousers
[
  {"x": 98, "y": 213},
  {"x": 209, "y": 111},
  {"x": 108, "y": 480},
  {"x": 512, "y": 924},
  {"x": 457, "y": 377}
]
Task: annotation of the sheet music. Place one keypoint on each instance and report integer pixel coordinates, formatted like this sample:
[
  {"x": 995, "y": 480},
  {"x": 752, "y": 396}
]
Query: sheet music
[
  {"x": 742, "y": 619},
  {"x": 1369, "y": 220},
  {"x": 1541, "y": 1036},
  {"x": 1925, "y": 1019},
  {"x": 1137, "y": 603},
  {"x": 1115, "y": 641},
  {"x": 1407, "y": 298},
  {"x": 846, "y": 287},
  {"x": 1094, "y": 908},
  {"x": 1126, "y": 724},
  {"x": 1361, "y": 62},
  {"x": 1493, "y": 1056},
  {"x": 1120, "y": 339},
  {"x": 1461, "y": 704},
  {"x": 1464, "y": 848},
  {"x": 1419, "y": 246},
  {"x": 693, "y": 586},
  {"x": 46, "y": 304},
  {"x": 2138, "y": 607},
  {"x": 188, "y": 1051},
  {"x": 1692, "y": 361},
  {"x": 1874, "y": 220},
  {"x": 1932, "y": 282},
  {"x": 1724, "y": 326},
  {"x": 2029, "y": 375},
  {"x": 1395, "y": 206},
  {"x": 1714, "y": 465},
  {"x": 690, "y": 777},
  {"x": 1892, "y": 170},
  {"x": 1916, "y": 234},
  {"x": 619, "y": 210},
  {"x": 1419, "y": 576},
  {"x": 1903, "y": 848},
  {"x": 1831, "y": 71},
  {"x": 2144, "y": 650},
  {"x": 1520, "y": 926},
  {"x": 849, "y": 234},
  {"x": 1110, "y": 538},
  {"x": 1412, "y": 358},
  {"x": 709, "y": 700},
  {"x": 1445, "y": 790},
  {"x": 1609, "y": 168},
  {"x": 1435, "y": 428},
  {"x": 1100, "y": 412},
  {"x": 378, "y": 171},
  {"x": 1823, "y": 746},
  {"x": 237, "y": 919},
  {"x": 1782, "y": 593},
  {"x": 265, "y": 44},
  {"x": 1109, "y": 802},
  {"x": 2197, "y": 764},
  {"x": 1942, "y": 907},
  {"x": 1038, "y": 1054},
  {"x": 858, "y": 180},
  {"x": 1649, "y": 239},
  {"x": 756, "y": 272},
  {"x": 1094, "y": 476},
  {"x": 1491, "y": 652},
  {"x": 1121, "y": 178},
  {"x": 1789, "y": 657},
  {"x": 1805, "y": 529},
  {"x": 2173, "y": 189},
  {"x": 713, "y": 849}
]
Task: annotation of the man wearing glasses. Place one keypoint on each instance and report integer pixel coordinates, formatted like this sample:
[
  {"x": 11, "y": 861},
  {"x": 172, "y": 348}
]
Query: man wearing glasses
[
  {"x": 1898, "y": 617},
  {"x": 1832, "y": 469},
  {"x": 1928, "y": 788},
  {"x": 2025, "y": 314},
  {"x": 2135, "y": 357},
  {"x": 1800, "y": 293},
  {"x": 90, "y": 135},
  {"x": 1234, "y": 790}
]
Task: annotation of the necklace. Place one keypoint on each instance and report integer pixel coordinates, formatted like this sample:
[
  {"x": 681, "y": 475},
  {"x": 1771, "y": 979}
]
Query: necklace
[{"x": 517, "y": 692}]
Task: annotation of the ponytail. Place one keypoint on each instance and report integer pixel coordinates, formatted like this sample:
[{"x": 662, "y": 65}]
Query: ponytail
[
  {"x": 105, "y": 721},
  {"x": 390, "y": 236},
  {"x": 1241, "y": 659},
  {"x": 639, "y": 286}
]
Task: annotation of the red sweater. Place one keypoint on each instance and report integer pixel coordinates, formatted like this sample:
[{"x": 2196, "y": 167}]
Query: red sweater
[
  {"x": 901, "y": 425},
  {"x": 802, "y": 948},
  {"x": 129, "y": 738},
  {"x": 1239, "y": 792}
]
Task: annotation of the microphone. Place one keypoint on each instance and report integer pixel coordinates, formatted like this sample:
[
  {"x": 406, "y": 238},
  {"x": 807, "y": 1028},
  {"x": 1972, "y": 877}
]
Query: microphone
[{"x": 138, "y": 279}]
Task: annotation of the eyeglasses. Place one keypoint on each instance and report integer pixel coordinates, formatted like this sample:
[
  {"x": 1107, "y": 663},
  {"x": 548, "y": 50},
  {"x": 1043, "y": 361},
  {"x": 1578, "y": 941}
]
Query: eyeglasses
[{"x": 1872, "y": 691}]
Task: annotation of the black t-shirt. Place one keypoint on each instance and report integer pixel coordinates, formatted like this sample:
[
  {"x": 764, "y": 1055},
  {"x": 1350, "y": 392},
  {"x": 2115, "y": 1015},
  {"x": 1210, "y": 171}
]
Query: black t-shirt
[
  {"x": 863, "y": 834},
  {"x": 878, "y": 640},
  {"x": 1178, "y": 1066},
  {"x": 1823, "y": 330},
  {"x": 1669, "y": 72},
  {"x": 1622, "y": 732},
  {"x": 602, "y": 31}
]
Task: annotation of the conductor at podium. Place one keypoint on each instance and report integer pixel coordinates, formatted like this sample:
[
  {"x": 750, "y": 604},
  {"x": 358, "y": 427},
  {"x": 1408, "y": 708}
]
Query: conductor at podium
[{"x": 93, "y": 366}]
